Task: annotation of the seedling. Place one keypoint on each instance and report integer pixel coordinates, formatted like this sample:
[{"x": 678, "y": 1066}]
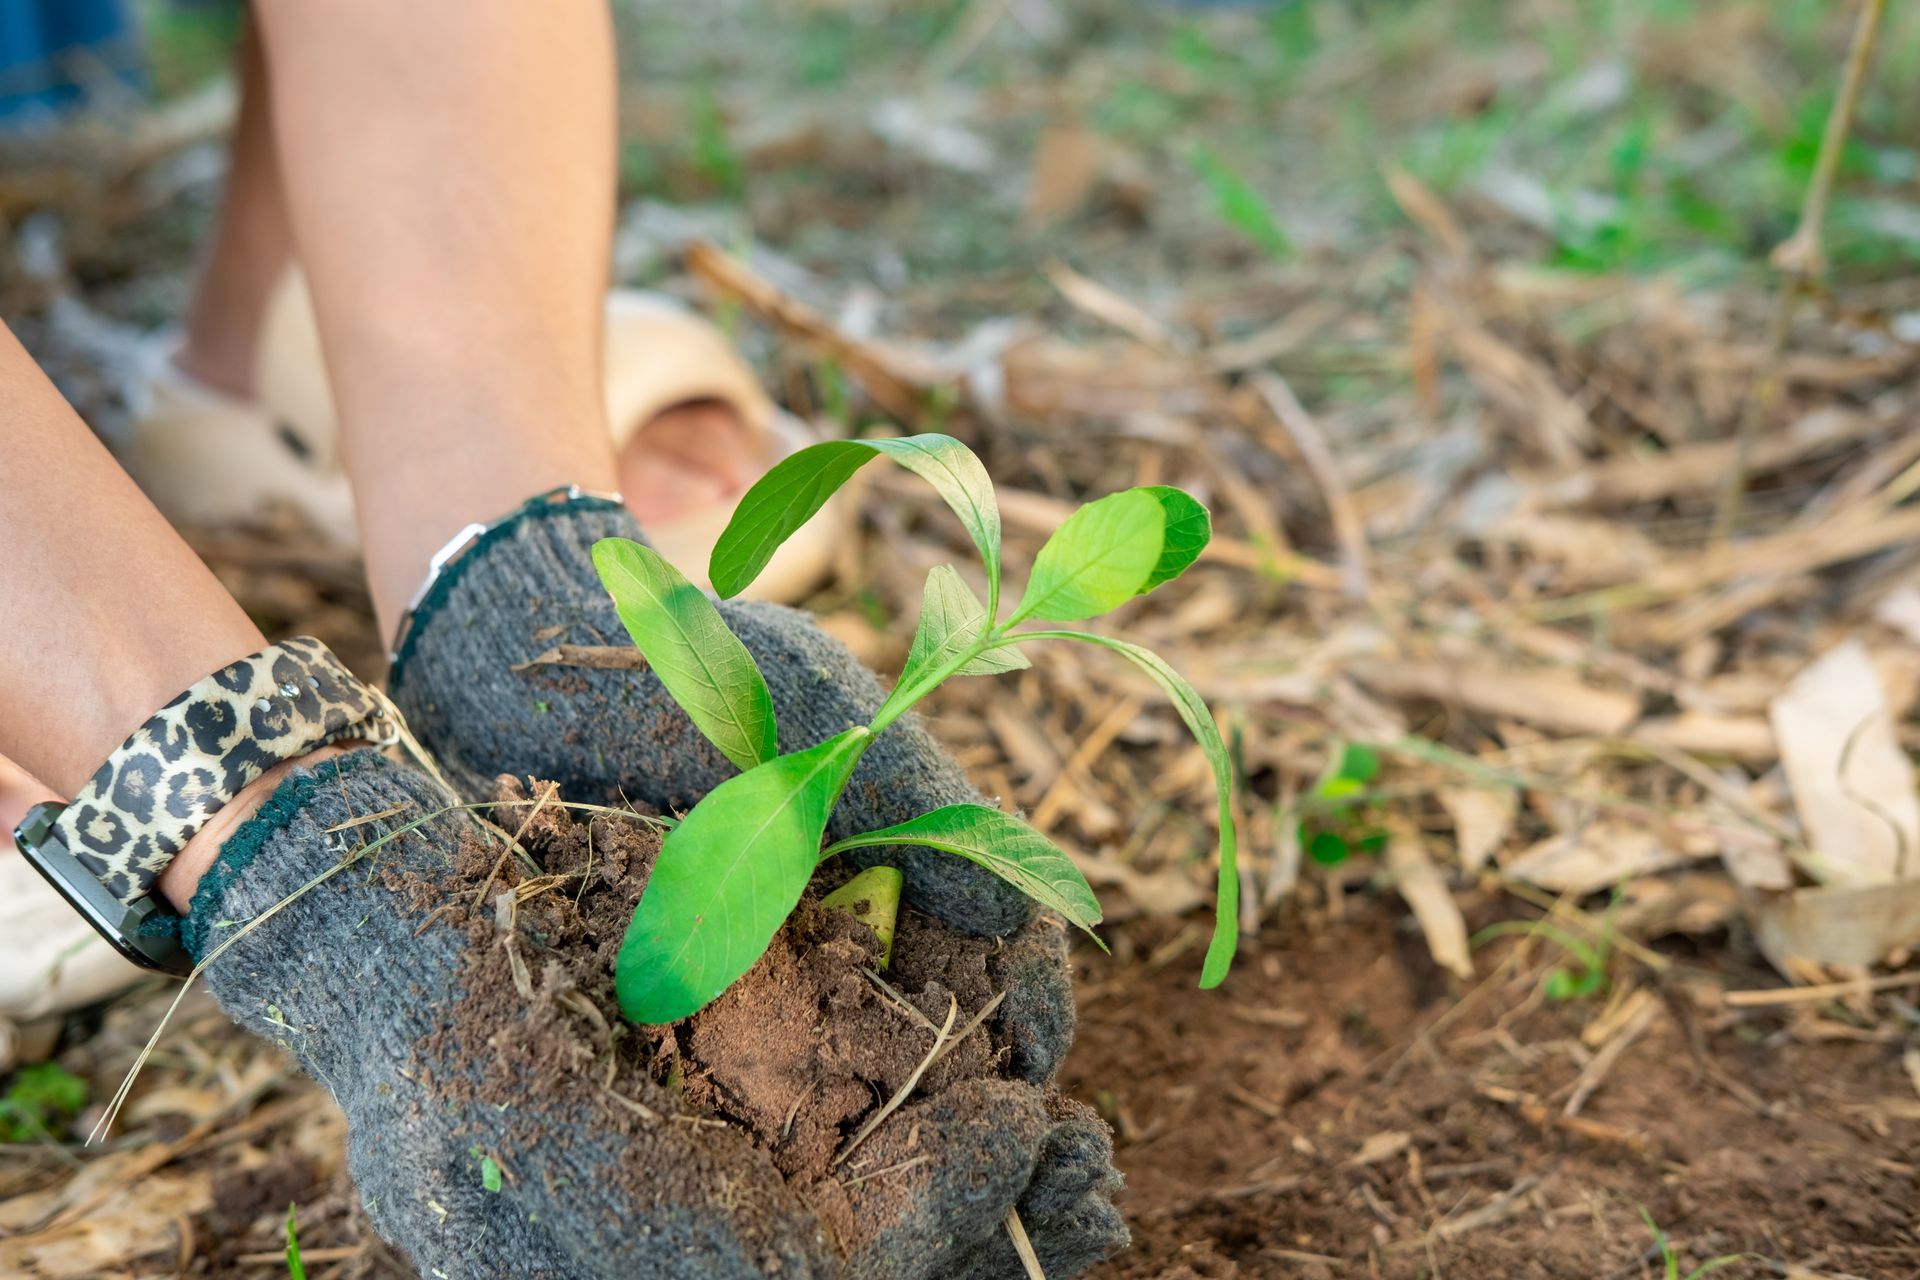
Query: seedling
[
  {"x": 1670, "y": 1259},
  {"x": 42, "y": 1098},
  {"x": 296, "y": 1269},
  {"x": 1340, "y": 813},
  {"x": 1586, "y": 976},
  {"x": 732, "y": 870}
]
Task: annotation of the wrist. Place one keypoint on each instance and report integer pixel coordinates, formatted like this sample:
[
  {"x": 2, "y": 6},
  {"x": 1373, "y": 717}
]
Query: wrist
[{"x": 182, "y": 876}]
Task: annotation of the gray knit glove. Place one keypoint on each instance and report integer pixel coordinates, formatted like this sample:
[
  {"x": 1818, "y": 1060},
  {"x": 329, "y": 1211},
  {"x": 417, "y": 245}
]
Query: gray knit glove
[
  {"x": 485, "y": 1138},
  {"x": 610, "y": 736}
]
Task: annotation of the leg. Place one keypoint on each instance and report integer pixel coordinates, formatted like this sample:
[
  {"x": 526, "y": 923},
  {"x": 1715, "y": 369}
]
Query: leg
[
  {"x": 690, "y": 457},
  {"x": 450, "y": 167},
  {"x": 249, "y": 247}
]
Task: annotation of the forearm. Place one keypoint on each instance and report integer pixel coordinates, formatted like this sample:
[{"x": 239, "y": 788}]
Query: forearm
[{"x": 108, "y": 613}]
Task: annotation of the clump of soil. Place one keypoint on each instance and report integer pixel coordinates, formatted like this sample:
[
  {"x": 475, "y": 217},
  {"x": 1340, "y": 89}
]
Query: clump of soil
[{"x": 797, "y": 1053}]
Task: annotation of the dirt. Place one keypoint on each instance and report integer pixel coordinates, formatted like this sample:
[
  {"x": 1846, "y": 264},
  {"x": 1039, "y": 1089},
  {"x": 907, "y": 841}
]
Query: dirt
[
  {"x": 798, "y": 1053},
  {"x": 1292, "y": 1123}
]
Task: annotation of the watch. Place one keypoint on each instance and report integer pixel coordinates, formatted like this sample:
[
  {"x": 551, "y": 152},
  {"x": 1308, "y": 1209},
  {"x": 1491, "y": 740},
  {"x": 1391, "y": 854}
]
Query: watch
[{"x": 104, "y": 851}]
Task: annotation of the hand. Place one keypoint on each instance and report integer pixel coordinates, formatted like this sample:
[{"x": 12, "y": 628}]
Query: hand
[
  {"x": 609, "y": 736},
  {"x": 503, "y": 1121}
]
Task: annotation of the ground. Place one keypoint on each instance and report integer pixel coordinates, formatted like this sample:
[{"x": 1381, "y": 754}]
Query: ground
[{"x": 1452, "y": 312}]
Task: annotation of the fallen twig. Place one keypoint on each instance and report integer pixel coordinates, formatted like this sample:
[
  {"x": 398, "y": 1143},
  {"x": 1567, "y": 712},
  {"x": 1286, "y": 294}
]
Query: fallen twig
[
  {"x": 1821, "y": 992},
  {"x": 1307, "y": 437},
  {"x": 1799, "y": 259},
  {"x": 600, "y": 657}
]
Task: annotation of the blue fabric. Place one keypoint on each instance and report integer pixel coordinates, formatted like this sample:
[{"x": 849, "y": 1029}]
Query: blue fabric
[{"x": 49, "y": 49}]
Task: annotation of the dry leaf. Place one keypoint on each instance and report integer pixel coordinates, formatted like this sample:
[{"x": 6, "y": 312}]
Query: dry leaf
[
  {"x": 1066, "y": 164},
  {"x": 1382, "y": 1146},
  {"x": 1107, "y": 306},
  {"x": 1550, "y": 699},
  {"x": 1748, "y": 739},
  {"x": 1853, "y": 786},
  {"x": 1166, "y": 892},
  {"x": 1433, "y": 906},
  {"x": 1594, "y": 856},
  {"x": 1855, "y": 926},
  {"x": 1482, "y": 818}
]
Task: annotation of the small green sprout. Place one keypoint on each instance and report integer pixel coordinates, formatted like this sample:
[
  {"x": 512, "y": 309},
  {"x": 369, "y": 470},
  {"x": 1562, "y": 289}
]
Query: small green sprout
[
  {"x": 1586, "y": 976},
  {"x": 41, "y": 1099},
  {"x": 296, "y": 1269},
  {"x": 1671, "y": 1260},
  {"x": 1339, "y": 814},
  {"x": 1240, "y": 205},
  {"x": 733, "y": 869}
]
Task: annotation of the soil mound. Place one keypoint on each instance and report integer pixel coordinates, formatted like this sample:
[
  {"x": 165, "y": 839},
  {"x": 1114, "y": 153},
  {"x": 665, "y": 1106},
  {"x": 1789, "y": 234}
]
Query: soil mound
[{"x": 799, "y": 1053}]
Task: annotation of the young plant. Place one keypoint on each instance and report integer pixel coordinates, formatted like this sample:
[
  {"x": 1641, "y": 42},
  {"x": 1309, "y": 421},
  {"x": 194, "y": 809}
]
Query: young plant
[
  {"x": 1670, "y": 1258},
  {"x": 732, "y": 870},
  {"x": 1585, "y": 976},
  {"x": 1340, "y": 815},
  {"x": 42, "y": 1098}
]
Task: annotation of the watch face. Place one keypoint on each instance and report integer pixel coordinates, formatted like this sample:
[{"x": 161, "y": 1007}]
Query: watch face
[{"x": 122, "y": 925}]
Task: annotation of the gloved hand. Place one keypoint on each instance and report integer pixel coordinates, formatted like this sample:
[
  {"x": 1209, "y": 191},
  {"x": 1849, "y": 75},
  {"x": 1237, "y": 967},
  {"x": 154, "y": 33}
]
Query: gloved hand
[
  {"x": 609, "y": 736},
  {"x": 485, "y": 1137}
]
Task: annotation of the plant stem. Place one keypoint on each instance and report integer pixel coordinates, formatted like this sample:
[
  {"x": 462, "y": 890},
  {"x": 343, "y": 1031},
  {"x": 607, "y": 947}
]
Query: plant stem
[
  {"x": 904, "y": 696},
  {"x": 1800, "y": 261}
]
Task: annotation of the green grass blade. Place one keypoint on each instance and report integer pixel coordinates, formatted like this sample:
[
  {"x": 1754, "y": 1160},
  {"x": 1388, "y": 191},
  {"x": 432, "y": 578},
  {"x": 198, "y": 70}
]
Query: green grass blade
[{"x": 296, "y": 1269}]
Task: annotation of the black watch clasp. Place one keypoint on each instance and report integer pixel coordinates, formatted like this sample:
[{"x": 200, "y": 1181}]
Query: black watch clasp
[{"x": 123, "y": 925}]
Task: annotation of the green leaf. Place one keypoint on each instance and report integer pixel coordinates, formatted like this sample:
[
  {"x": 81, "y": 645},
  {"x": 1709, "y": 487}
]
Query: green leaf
[
  {"x": 490, "y": 1174},
  {"x": 799, "y": 485},
  {"x": 1199, "y": 721},
  {"x": 1112, "y": 550},
  {"x": 951, "y": 618},
  {"x": 1327, "y": 849},
  {"x": 727, "y": 877},
  {"x": 1340, "y": 788},
  {"x": 1003, "y": 845},
  {"x": 1189, "y": 529},
  {"x": 778, "y": 503},
  {"x": 959, "y": 478},
  {"x": 873, "y": 898},
  {"x": 1359, "y": 762},
  {"x": 686, "y": 642}
]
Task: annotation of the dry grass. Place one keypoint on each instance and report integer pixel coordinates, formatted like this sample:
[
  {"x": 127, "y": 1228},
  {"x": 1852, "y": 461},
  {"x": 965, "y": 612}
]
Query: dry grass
[{"x": 1465, "y": 501}]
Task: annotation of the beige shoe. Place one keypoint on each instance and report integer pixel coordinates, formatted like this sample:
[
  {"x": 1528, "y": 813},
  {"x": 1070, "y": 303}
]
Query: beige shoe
[
  {"x": 210, "y": 459},
  {"x": 50, "y": 959}
]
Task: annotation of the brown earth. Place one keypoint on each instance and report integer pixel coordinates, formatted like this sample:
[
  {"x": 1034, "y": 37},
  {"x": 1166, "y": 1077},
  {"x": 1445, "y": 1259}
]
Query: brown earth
[
  {"x": 1342, "y": 1108},
  {"x": 1296, "y": 1122},
  {"x": 799, "y": 1052},
  {"x": 1339, "y": 1108}
]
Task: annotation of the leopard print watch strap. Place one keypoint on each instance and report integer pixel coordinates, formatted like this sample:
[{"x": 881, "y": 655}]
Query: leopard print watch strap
[{"x": 199, "y": 750}]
